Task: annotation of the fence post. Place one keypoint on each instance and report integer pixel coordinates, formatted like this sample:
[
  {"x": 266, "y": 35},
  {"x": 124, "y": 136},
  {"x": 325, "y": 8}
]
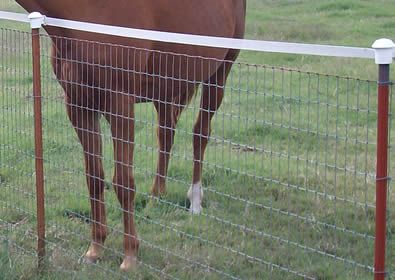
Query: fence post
[
  {"x": 383, "y": 57},
  {"x": 36, "y": 21}
]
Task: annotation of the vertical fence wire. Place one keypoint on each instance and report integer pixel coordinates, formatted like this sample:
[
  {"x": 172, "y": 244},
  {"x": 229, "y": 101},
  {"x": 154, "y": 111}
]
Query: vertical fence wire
[
  {"x": 314, "y": 150},
  {"x": 288, "y": 174},
  {"x": 17, "y": 199}
]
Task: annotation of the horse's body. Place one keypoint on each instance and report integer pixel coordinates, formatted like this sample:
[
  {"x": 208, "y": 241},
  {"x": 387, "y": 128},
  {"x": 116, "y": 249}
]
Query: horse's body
[{"x": 99, "y": 79}]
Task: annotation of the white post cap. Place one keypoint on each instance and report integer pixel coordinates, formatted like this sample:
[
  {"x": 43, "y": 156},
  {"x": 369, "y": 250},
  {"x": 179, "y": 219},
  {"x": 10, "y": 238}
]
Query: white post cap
[
  {"x": 36, "y": 20},
  {"x": 384, "y": 49}
]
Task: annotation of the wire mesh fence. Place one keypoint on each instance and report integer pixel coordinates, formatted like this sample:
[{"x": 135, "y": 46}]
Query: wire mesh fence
[
  {"x": 17, "y": 211},
  {"x": 288, "y": 174}
]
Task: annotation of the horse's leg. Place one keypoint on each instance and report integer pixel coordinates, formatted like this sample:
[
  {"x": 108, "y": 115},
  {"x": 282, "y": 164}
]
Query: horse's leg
[
  {"x": 122, "y": 130},
  {"x": 167, "y": 121},
  {"x": 86, "y": 124},
  {"x": 213, "y": 92}
]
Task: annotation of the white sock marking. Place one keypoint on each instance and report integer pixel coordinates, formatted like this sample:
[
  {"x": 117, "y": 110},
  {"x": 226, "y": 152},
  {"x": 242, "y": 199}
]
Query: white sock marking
[{"x": 195, "y": 195}]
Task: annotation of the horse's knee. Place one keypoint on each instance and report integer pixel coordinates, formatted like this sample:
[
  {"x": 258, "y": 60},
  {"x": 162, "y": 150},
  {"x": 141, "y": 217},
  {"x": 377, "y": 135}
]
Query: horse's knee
[
  {"x": 123, "y": 175},
  {"x": 124, "y": 187},
  {"x": 125, "y": 195},
  {"x": 201, "y": 133},
  {"x": 165, "y": 136},
  {"x": 95, "y": 179},
  {"x": 94, "y": 166}
]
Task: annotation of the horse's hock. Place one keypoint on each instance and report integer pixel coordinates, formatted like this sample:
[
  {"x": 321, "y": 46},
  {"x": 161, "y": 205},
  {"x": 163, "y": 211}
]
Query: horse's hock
[{"x": 277, "y": 183}]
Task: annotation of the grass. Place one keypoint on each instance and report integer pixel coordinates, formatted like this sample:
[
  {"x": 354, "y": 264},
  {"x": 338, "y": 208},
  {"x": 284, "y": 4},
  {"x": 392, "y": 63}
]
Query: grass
[{"x": 289, "y": 173}]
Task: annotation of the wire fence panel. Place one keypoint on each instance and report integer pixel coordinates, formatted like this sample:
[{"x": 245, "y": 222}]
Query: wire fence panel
[
  {"x": 288, "y": 174},
  {"x": 17, "y": 197}
]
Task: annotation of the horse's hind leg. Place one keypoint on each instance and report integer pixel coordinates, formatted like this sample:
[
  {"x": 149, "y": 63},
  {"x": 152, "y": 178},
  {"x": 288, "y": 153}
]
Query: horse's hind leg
[
  {"x": 167, "y": 120},
  {"x": 168, "y": 115},
  {"x": 213, "y": 92},
  {"x": 86, "y": 124},
  {"x": 122, "y": 130}
]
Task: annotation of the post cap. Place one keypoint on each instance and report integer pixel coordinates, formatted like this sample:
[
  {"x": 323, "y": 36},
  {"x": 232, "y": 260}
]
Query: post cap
[
  {"x": 36, "y": 20},
  {"x": 384, "y": 51},
  {"x": 383, "y": 43}
]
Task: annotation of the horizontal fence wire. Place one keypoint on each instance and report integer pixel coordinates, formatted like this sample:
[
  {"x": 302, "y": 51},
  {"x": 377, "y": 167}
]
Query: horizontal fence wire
[
  {"x": 17, "y": 196},
  {"x": 288, "y": 174}
]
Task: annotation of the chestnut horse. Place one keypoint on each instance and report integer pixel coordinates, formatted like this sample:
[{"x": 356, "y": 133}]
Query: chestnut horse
[{"x": 109, "y": 77}]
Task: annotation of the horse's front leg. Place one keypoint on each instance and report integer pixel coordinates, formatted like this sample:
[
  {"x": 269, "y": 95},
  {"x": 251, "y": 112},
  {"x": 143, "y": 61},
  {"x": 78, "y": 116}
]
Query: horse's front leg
[
  {"x": 86, "y": 124},
  {"x": 121, "y": 121}
]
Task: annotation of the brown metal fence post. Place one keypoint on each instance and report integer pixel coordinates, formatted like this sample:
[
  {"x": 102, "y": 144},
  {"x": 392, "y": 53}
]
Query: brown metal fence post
[
  {"x": 36, "y": 20},
  {"x": 384, "y": 49}
]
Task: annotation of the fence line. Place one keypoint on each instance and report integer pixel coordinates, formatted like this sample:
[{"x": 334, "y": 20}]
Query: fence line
[{"x": 379, "y": 269}]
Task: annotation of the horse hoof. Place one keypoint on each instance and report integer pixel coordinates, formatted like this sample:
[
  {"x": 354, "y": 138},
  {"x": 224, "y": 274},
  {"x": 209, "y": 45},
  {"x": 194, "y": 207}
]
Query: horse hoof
[
  {"x": 195, "y": 209},
  {"x": 128, "y": 264},
  {"x": 92, "y": 255},
  {"x": 158, "y": 193},
  {"x": 88, "y": 260}
]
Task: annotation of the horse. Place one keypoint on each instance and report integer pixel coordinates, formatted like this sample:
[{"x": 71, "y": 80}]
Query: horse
[{"x": 104, "y": 75}]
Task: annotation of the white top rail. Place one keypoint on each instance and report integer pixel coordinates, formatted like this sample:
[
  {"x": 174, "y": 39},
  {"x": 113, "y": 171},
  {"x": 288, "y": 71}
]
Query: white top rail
[
  {"x": 207, "y": 41},
  {"x": 14, "y": 16}
]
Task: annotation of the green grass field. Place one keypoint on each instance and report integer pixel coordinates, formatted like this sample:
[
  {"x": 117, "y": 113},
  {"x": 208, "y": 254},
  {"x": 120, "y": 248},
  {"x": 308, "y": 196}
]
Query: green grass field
[{"x": 289, "y": 173}]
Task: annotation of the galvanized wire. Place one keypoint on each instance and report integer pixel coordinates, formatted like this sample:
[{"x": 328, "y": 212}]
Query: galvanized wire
[
  {"x": 288, "y": 173},
  {"x": 17, "y": 198}
]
